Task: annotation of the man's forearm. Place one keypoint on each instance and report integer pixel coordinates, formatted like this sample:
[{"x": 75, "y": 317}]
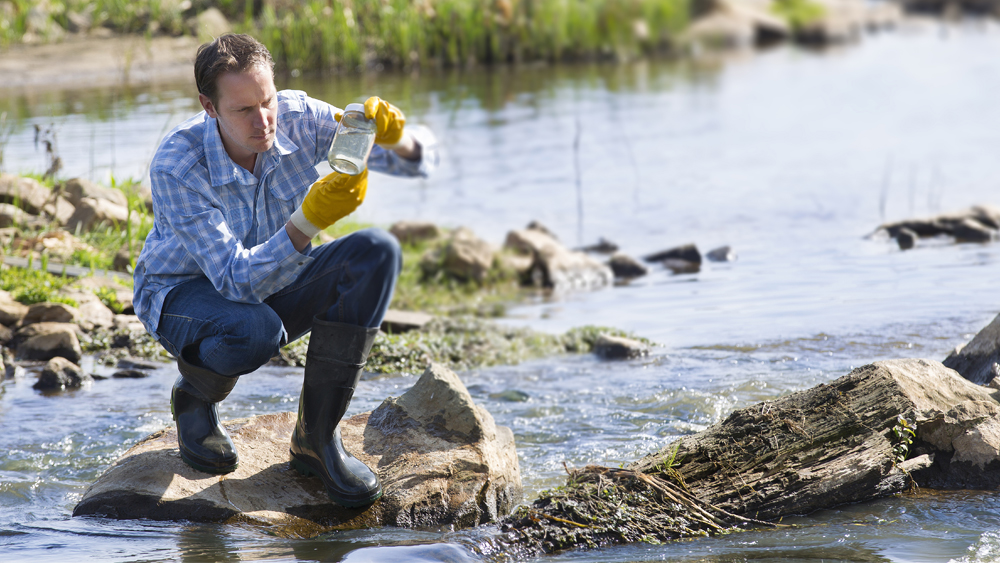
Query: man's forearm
[
  {"x": 408, "y": 147},
  {"x": 299, "y": 239}
]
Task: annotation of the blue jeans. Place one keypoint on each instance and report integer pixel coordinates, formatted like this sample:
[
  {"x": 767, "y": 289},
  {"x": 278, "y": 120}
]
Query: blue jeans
[{"x": 350, "y": 280}]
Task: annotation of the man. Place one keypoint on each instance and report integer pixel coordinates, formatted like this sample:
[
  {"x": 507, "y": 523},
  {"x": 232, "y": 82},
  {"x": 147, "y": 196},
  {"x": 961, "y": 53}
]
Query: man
[{"x": 228, "y": 274}]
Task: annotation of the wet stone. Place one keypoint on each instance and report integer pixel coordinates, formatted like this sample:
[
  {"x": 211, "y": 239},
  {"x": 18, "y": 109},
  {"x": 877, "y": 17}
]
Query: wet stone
[
  {"x": 442, "y": 463},
  {"x": 618, "y": 347},
  {"x": 905, "y": 238},
  {"x": 627, "y": 267},
  {"x": 130, "y": 374},
  {"x": 721, "y": 254},
  {"x": 60, "y": 373},
  {"x": 686, "y": 253}
]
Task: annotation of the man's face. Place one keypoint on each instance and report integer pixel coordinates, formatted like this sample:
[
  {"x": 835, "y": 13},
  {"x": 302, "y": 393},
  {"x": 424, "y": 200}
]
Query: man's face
[{"x": 247, "y": 112}]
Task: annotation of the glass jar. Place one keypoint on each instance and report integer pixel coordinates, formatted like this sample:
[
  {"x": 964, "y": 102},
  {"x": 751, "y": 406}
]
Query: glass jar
[{"x": 352, "y": 142}]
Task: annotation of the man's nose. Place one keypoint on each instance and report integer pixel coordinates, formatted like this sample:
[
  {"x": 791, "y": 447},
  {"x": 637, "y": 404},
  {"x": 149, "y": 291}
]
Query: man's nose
[{"x": 260, "y": 118}]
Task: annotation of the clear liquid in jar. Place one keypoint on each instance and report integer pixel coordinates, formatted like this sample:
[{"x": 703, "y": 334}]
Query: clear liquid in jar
[{"x": 351, "y": 144}]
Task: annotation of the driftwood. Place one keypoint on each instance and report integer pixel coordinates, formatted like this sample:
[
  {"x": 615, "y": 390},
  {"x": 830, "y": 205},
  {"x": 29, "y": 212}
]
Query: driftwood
[{"x": 842, "y": 442}]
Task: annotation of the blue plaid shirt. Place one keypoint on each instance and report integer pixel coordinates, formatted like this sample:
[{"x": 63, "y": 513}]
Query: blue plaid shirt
[{"x": 213, "y": 218}]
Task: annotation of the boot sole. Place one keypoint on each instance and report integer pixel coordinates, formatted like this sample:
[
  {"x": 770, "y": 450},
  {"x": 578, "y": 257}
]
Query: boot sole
[{"x": 303, "y": 468}]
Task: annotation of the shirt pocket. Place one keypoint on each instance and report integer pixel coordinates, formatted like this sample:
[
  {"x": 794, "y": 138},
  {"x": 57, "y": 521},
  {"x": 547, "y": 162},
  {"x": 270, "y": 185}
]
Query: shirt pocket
[{"x": 292, "y": 183}]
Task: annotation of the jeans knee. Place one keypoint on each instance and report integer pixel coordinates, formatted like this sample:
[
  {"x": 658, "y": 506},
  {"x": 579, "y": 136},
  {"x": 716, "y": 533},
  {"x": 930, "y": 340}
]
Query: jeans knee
[
  {"x": 384, "y": 251},
  {"x": 246, "y": 346}
]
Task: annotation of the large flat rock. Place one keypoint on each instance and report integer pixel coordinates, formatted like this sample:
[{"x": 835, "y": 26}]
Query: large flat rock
[{"x": 441, "y": 458}]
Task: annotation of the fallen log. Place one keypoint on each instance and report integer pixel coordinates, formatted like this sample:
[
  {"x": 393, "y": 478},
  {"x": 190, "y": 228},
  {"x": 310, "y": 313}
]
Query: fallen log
[{"x": 878, "y": 431}]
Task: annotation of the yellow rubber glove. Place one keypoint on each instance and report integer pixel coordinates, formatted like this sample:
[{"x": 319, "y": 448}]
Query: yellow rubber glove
[
  {"x": 389, "y": 121},
  {"x": 329, "y": 200}
]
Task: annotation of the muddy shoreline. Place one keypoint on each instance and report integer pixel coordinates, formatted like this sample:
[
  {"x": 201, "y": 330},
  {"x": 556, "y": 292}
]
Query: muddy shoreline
[{"x": 89, "y": 61}]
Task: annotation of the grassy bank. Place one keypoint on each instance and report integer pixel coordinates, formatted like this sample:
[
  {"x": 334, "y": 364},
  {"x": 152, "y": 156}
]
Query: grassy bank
[{"x": 352, "y": 34}]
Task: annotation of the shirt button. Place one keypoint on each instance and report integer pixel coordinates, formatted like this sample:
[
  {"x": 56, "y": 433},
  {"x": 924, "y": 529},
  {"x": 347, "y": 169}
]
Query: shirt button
[{"x": 301, "y": 263}]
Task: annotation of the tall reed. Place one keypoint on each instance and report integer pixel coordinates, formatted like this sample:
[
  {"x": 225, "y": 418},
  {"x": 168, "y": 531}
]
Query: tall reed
[{"x": 347, "y": 34}]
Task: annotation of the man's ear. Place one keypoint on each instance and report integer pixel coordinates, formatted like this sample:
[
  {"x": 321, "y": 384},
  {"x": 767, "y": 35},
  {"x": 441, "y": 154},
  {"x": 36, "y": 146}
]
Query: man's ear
[{"x": 206, "y": 103}]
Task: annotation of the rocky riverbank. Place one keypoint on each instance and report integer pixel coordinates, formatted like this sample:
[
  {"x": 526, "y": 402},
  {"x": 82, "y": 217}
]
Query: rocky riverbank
[{"x": 53, "y": 306}]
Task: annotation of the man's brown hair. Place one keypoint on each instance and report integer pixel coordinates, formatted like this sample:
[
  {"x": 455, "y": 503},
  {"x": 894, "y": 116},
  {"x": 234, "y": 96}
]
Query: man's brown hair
[{"x": 228, "y": 53}]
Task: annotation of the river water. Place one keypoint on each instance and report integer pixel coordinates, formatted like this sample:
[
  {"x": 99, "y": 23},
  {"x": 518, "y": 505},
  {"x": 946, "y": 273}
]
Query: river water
[{"x": 789, "y": 156}]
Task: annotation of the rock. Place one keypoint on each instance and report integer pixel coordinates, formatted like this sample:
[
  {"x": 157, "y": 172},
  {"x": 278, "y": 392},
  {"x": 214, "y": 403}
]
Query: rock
[
  {"x": 624, "y": 266},
  {"x": 860, "y": 408},
  {"x": 519, "y": 264},
  {"x": 75, "y": 190},
  {"x": 836, "y": 443},
  {"x": 26, "y": 193},
  {"x": 92, "y": 284},
  {"x": 11, "y": 312},
  {"x": 136, "y": 364},
  {"x": 685, "y": 259},
  {"x": 49, "y": 312},
  {"x": 737, "y": 24},
  {"x": 537, "y": 226},
  {"x": 5, "y": 335},
  {"x": 95, "y": 314},
  {"x": 128, "y": 323},
  {"x": 396, "y": 321},
  {"x": 618, "y": 347},
  {"x": 79, "y": 22},
  {"x": 60, "y": 373},
  {"x": 57, "y": 243},
  {"x": 91, "y": 212},
  {"x": 59, "y": 339},
  {"x": 720, "y": 30},
  {"x": 413, "y": 232},
  {"x": 681, "y": 266},
  {"x": 971, "y": 230},
  {"x": 721, "y": 254},
  {"x": 953, "y": 224},
  {"x": 210, "y": 24},
  {"x": 466, "y": 256},
  {"x": 8, "y": 234},
  {"x": 687, "y": 253},
  {"x": 442, "y": 462},
  {"x": 27, "y": 331},
  {"x": 906, "y": 238},
  {"x": 130, "y": 374},
  {"x": 11, "y": 216},
  {"x": 556, "y": 266},
  {"x": 59, "y": 209},
  {"x": 603, "y": 246},
  {"x": 979, "y": 360}
]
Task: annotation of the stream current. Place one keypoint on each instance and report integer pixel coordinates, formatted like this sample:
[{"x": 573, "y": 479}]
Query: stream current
[{"x": 789, "y": 156}]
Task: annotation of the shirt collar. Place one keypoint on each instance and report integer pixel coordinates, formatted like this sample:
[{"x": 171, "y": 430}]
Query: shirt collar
[{"x": 222, "y": 170}]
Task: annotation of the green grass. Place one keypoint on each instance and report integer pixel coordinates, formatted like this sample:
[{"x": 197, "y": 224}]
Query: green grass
[
  {"x": 351, "y": 34},
  {"x": 29, "y": 286},
  {"x": 799, "y": 13},
  {"x": 403, "y": 33}
]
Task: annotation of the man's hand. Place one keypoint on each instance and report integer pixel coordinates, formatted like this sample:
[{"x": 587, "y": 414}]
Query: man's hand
[
  {"x": 329, "y": 200},
  {"x": 389, "y": 121}
]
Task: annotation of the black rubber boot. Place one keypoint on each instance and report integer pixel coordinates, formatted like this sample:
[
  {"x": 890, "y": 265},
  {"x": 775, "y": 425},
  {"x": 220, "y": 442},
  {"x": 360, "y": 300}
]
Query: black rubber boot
[
  {"x": 203, "y": 441},
  {"x": 334, "y": 362}
]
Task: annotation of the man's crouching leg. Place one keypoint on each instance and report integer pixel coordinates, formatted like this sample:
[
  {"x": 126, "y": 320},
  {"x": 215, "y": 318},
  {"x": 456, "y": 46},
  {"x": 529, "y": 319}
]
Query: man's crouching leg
[
  {"x": 360, "y": 289},
  {"x": 215, "y": 341}
]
